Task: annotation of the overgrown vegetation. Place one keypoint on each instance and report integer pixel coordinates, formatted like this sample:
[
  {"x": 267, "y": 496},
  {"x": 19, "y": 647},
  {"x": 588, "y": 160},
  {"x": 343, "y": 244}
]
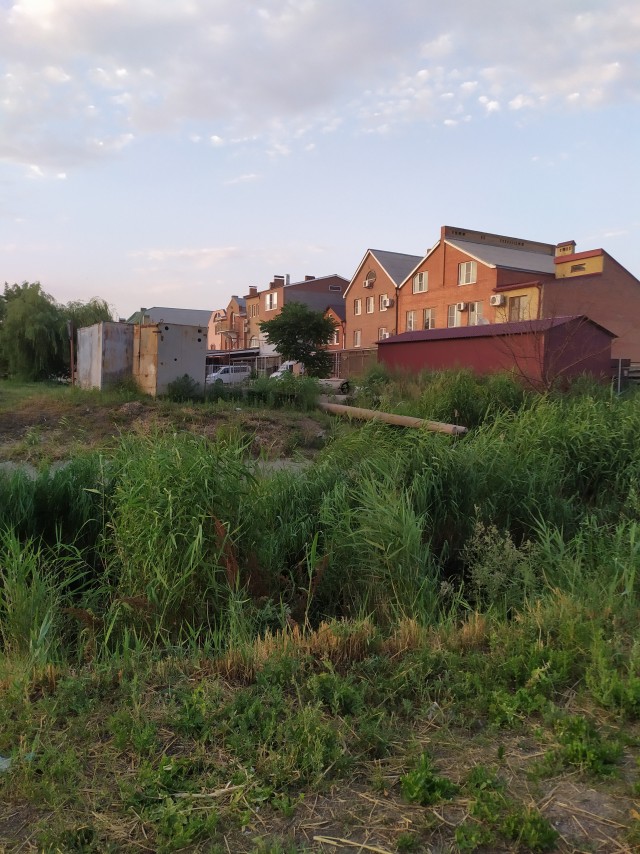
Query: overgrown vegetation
[
  {"x": 35, "y": 330},
  {"x": 202, "y": 654}
]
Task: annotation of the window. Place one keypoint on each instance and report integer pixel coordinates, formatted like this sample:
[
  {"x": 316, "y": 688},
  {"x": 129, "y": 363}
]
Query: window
[
  {"x": 253, "y": 341},
  {"x": 384, "y": 299},
  {"x": 357, "y": 337},
  {"x": 382, "y": 333},
  {"x": 253, "y": 310},
  {"x": 411, "y": 321},
  {"x": 420, "y": 283},
  {"x": 429, "y": 318},
  {"x": 518, "y": 308},
  {"x": 475, "y": 313},
  {"x": 357, "y": 306},
  {"x": 271, "y": 301},
  {"x": 335, "y": 288},
  {"x": 578, "y": 268},
  {"x": 467, "y": 273},
  {"x": 336, "y": 336},
  {"x": 369, "y": 279},
  {"x": 454, "y": 317},
  {"x": 370, "y": 305}
]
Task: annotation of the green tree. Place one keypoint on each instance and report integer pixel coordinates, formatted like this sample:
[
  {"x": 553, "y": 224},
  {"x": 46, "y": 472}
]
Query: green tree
[
  {"x": 34, "y": 340},
  {"x": 301, "y": 334}
]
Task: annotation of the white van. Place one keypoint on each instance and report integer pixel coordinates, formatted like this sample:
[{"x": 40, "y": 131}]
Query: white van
[{"x": 229, "y": 375}]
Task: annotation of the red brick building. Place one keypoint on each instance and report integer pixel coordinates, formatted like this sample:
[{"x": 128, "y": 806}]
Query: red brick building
[
  {"x": 472, "y": 278},
  {"x": 370, "y": 299}
]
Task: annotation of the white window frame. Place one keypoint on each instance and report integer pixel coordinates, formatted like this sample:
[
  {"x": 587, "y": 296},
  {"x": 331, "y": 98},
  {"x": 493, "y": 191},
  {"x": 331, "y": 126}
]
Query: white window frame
[
  {"x": 370, "y": 305},
  {"x": 475, "y": 313},
  {"x": 467, "y": 272},
  {"x": 411, "y": 320},
  {"x": 357, "y": 337},
  {"x": 382, "y": 300},
  {"x": 428, "y": 318},
  {"x": 421, "y": 283},
  {"x": 453, "y": 315},
  {"x": 336, "y": 336},
  {"x": 271, "y": 301},
  {"x": 357, "y": 306}
]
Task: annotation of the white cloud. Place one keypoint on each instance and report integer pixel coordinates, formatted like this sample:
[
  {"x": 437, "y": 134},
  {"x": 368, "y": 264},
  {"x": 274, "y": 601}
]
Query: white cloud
[
  {"x": 295, "y": 65},
  {"x": 243, "y": 179},
  {"x": 198, "y": 259}
]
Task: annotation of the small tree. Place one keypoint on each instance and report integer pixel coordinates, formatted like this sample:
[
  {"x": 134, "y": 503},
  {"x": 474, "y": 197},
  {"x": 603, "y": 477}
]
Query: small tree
[{"x": 301, "y": 334}]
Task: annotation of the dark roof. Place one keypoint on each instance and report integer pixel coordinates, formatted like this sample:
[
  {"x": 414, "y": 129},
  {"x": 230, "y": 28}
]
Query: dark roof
[
  {"x": 502, "y": 256},
  {"x": 304, "y": 282},
  {"x": 490, "y": 330},
  {"x": 316, "y": 300},
  {"x": 180, "y": 316},
  {"x": 396, "y": 264}
]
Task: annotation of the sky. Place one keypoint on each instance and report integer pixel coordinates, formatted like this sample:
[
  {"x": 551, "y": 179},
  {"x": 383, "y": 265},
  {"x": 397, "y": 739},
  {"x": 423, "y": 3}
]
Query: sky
[{"x": 177, "y": 152}]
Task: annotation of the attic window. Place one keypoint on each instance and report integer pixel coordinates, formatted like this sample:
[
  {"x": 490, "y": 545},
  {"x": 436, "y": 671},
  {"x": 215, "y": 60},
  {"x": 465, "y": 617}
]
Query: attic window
[
  {"x": 578, "y": 268},
  {"x": 369, "y": 279},
  {"x": 335, "y": 288}
]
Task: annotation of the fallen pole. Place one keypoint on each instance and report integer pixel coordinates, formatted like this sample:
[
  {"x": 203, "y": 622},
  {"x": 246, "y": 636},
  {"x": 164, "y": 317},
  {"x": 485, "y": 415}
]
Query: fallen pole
[{"x": 389, "y": 418}]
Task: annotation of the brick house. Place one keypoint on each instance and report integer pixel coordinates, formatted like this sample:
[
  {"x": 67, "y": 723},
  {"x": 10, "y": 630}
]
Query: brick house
[
  {"x": 597, "y": 285},
  {"x": 456, "y": 282},
  {"x": 229, "y": 326},
  {"x": 474, "y": 278},
  {"x": 337, "y": 314},
  {"x": 371, "y": 299},
  {"x": 314, "y": 292}
]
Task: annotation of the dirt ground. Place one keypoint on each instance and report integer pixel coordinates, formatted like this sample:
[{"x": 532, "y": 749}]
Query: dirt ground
[{"x": 42, "y": 429}]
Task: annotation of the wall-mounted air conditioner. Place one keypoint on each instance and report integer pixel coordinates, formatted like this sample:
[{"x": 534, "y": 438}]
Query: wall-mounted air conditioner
[
  {"x": 387, "y": 303},
  {"x": 367, "y": 283},
  {"x": 496, "y": 299},
  {"x": 461, "y": 306}
]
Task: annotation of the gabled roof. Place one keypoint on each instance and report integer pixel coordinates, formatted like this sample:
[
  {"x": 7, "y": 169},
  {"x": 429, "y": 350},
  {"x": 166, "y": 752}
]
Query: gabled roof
[
  {"x": 491, "y": 330},
  {"x": 415, "y": 266},
  {"x": 180, "y": 316},
  {"x": 338, "y": 309},
  {"x": 503, "y": 256},
  {"x": 397, "y": 265}
]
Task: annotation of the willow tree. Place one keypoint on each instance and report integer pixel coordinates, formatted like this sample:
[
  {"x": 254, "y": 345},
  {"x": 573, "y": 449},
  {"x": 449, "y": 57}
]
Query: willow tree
[{"x": 34, "y": 338}]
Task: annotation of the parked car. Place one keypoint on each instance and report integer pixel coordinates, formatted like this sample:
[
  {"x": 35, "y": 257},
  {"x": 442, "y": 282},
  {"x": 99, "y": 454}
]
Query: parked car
[
  {"x": 333, "y": 385},
  {"x": 229, "y": 375},
  {"x": 285, "y": 368}
]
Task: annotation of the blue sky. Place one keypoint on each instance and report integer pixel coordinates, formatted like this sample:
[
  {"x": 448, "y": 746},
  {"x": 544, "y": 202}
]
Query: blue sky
[{"x": 175, "y": 152}]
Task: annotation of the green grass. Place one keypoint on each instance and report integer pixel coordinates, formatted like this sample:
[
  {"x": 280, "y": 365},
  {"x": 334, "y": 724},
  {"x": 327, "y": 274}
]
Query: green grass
[{"x": 198, "y": 653}]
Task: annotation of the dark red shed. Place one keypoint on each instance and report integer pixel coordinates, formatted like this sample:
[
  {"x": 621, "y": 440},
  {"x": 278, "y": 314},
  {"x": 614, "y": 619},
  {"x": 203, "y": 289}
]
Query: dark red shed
[{"x": 539, "y": 351}]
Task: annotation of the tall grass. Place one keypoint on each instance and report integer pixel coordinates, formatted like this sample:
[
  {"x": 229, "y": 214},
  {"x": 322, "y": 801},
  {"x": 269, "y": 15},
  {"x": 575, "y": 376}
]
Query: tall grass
[{"x": 183, "y": 539}]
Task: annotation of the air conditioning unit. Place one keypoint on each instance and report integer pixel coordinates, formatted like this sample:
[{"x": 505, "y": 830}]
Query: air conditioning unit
[
  {"x": 367, "y": 284},
  {"x": 496, "y": 299},
  {"x": 461, "y": 306},
  {"x": 385, "y": 335},
  {"x": 387, "y": 303}
]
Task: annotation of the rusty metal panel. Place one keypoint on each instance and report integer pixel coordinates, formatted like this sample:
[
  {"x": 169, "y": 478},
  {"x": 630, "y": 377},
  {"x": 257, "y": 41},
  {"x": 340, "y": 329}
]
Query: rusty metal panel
[
  {"x": 145, "y": 358},
  {"x": 104, "y": 354}
]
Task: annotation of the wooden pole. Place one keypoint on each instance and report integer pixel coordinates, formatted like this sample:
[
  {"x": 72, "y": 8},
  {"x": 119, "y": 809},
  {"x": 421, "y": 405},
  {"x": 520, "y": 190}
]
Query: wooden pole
[{"x": 390, "y": 418}]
